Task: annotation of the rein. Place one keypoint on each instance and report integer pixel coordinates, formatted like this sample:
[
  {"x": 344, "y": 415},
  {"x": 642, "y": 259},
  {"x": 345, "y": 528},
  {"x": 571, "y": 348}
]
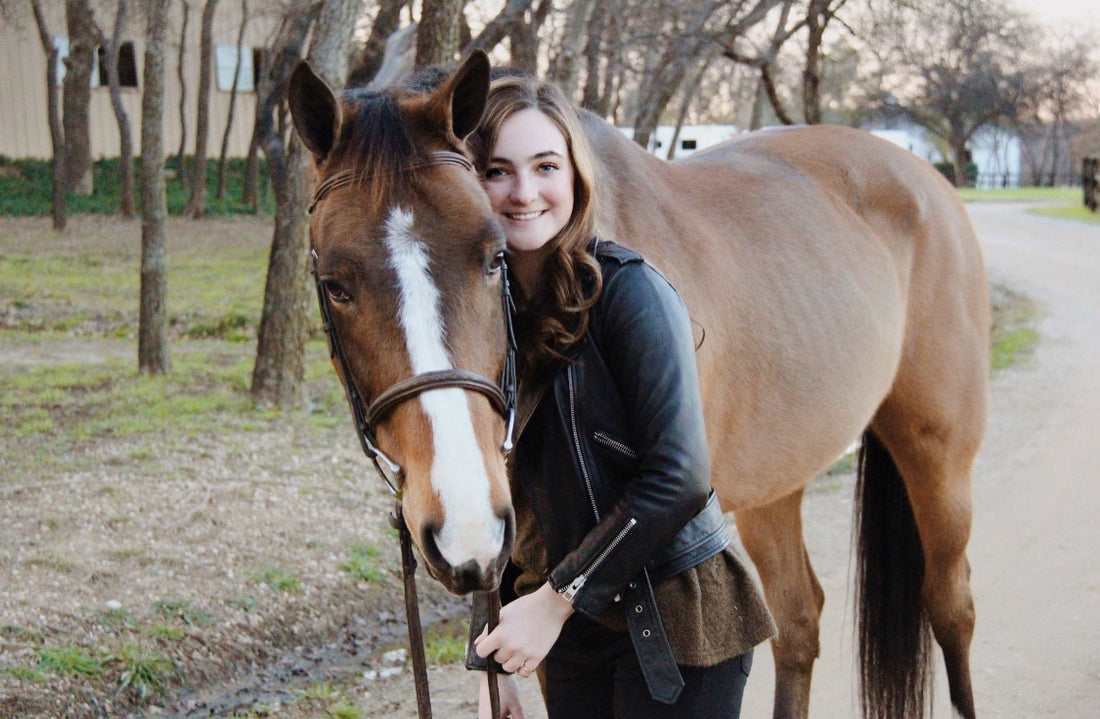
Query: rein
[{"x": 501, "y": 395}]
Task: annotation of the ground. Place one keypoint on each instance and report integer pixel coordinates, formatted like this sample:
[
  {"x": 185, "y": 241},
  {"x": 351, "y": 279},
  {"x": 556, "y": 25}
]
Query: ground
[{"x": 225, "y": 552}]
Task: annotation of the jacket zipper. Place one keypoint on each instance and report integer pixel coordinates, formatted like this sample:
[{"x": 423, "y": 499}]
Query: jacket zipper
[
  {"x": 577, "y": 442},
  {"x": 614, "y": 444},
  {"x": 570, "y": 592}
]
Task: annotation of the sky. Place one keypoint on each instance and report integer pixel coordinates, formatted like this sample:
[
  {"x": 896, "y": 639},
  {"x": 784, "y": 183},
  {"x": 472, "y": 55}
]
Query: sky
[{"x": 1061, "y": 11}]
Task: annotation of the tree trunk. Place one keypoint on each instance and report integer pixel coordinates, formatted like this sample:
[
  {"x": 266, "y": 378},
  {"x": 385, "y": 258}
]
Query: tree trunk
[
  {"x": 153, "y": 321},
  {"x": 53, "y": 110},
  {"x": 196, "y": 206},
  {"x": 564, "y": 67},
  {"x": 220, "y": 191},
  {"x": 523, "y": 37},
  {"x": 386, "y": 22},
  {"x": 83, "y": 38},
  {"x": 125, "y": 137},
  {"x": 280, "y": 348},
  {"x": 437, "y": 41},
  {"x": 959, "y": 159},
  {"x": 181, "y": 65}
]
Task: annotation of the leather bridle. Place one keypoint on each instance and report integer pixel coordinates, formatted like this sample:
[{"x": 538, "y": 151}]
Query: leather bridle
[{"x": 502, "y": 396}]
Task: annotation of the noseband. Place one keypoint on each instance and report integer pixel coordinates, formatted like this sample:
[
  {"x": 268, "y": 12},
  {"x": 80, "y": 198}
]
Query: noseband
[{"x": 502, "y": 394}]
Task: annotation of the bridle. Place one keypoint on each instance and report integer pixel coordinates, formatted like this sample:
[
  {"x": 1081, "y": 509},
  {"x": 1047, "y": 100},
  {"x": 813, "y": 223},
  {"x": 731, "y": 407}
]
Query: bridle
[{"x": 502, "y": 396}]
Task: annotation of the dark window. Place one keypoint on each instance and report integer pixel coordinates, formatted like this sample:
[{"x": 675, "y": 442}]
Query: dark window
[
  {"x": 687, "y": 144},
  {"x": 127, "y": 66}
]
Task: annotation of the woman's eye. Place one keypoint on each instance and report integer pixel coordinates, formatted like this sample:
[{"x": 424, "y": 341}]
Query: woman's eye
[
  {"x": 547, "y": 167},
  {"x": 337, "y": 293},
  {"x": 494, "y": 173}
]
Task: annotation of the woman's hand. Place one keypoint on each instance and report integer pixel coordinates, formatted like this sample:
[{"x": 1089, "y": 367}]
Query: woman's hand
[
  {"x": 510, "y": 707},
  {"x": 528, "y": 628}
]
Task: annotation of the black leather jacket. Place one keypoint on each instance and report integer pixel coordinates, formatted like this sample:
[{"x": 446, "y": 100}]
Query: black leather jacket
[{"x": 613, "y": 461}]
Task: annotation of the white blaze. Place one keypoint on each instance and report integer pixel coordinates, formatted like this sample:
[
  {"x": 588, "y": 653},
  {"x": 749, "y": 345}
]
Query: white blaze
[{"x": 470, "y": 529}]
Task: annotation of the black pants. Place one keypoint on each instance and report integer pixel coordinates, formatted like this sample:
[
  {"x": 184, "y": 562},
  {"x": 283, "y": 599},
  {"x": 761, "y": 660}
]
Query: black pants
[{"x": 593, "y": 673}]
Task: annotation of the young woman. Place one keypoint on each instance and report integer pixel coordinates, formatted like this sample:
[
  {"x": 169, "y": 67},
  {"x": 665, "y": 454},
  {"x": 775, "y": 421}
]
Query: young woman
[{"x": 622, "y": 590}]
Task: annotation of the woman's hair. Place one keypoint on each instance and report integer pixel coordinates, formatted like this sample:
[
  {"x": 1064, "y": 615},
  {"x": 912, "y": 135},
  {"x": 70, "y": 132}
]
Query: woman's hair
[{"x": 557, "y": 316}]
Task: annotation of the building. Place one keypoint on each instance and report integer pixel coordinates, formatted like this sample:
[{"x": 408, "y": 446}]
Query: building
[
  {"x": 691, "y": 138},
  {"x": 24, "y": 123}
]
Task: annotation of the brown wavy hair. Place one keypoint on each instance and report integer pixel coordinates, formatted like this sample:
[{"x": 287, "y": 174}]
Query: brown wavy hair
[{"x": 557, "y": 317}]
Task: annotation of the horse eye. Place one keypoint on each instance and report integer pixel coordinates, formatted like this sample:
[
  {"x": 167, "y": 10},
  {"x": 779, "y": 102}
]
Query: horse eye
[
  {"x": 496, "y": 263},
  {"x": 337, "y": 293}
]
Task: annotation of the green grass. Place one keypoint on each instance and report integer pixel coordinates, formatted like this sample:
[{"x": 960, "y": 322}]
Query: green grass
[
  {"x": 68, "y": 660},
  {"x": 141, "y": 672},
  {"x": 1023, "y": 194},
  {"x": 444, "y": 647},
  {"x": 363, "y": 563},
  {"x": 1014, "y": 335},
  {"x": 25, "y": 188},
  {"x": 278, "y": 579}
]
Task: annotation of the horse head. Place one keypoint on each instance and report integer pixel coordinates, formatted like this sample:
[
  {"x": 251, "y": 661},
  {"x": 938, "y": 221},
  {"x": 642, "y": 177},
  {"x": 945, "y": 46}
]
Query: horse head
[{"x": 408, "y": 259}]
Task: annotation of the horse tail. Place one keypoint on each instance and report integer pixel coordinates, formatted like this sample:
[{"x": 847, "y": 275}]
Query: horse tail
[{"x": 893, "y": 629}]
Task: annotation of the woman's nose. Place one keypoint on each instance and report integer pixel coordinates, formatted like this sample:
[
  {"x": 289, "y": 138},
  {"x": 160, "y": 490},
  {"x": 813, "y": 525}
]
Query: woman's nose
[{"x": 523, "y": 189}]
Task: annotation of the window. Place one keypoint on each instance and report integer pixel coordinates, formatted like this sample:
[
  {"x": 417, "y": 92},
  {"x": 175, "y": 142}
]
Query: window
[
  {"x": 127, "y": 65},
  {"x": 226, "y": 60},
  {"x": 687, "y": 144}
]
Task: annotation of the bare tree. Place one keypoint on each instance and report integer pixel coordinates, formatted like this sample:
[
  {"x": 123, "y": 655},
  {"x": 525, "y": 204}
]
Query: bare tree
[
  {"x": 181, "y": 77},
  {"x": 84, "y": 37},
  {"x": 222, "y": 156},
  {"x": 125, "y": 137},
  {"x": 153, "y": 316},
  {"x": 369, "y": 59},
  {"x": 53, "y": 110},
  {"x": 962, "y": 56},
  {"x": 280, "y": 355},
  {"x": 437, "y": 39},
  {"x": 564, "y": 66},
  {"x": 196, "y": 206}
]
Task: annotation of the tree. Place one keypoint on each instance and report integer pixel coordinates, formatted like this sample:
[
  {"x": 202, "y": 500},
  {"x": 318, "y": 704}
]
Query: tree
[
  {"x": 280, "y": 355},
  {"x": 53, "y": 110},
  {"x": 196, "y": 206},
  {"x": 126, "y": 140},
  {"x": 437, "y": 38},
  {"x": 369, "y": 59},
  {"x": 565, "y": 64},
  {"x": 181, "y": 77},
  {"x": 84, "y": 37},
  {"x": 153, "y": 316},
  {"x": 963, "y": 60},
  {"x": 222, "y": 156}
]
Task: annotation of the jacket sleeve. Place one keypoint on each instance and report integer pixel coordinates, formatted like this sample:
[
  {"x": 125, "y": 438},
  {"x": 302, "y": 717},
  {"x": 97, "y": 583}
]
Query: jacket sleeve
[{"x": 644, "y": 334}]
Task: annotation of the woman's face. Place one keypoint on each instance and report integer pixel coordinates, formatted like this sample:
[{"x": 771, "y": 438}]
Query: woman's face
[{"x": 529, "y": 180}]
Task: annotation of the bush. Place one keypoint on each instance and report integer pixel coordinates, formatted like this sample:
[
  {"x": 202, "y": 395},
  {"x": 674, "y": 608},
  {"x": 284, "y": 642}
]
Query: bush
[{"x": 25, "y": 188}]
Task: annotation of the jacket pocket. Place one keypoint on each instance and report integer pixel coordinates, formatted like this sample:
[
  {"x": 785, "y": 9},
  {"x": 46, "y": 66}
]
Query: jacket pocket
[{"x": 613, "y": 445}]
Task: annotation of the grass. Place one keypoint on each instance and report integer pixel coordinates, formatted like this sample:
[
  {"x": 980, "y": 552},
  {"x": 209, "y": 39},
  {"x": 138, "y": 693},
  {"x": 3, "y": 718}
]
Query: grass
[
  {"x": 1065, "y": 203},
  {"x": 278, "y": 579},
  {"x": 25, "y": 188},
  {"x": 444, "y": 646},
  {"x": 363, "y": 564},
  {"x": 1014, "y": 335},
  {"x": 141, "y": 672},
  {"x": 68, "y": 660}
]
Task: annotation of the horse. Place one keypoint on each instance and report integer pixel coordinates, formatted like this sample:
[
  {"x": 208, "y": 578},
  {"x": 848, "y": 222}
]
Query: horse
[{"x": 840, "y": 292}]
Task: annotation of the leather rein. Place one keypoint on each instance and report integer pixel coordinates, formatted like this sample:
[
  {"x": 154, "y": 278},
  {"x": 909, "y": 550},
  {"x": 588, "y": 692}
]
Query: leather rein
[{"x": 502, "y": 395}]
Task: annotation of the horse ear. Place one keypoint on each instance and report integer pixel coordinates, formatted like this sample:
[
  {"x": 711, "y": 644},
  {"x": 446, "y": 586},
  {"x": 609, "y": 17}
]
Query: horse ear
[
  {"x": 315, "y": 110},
  {"x": 463, "y": 96}
]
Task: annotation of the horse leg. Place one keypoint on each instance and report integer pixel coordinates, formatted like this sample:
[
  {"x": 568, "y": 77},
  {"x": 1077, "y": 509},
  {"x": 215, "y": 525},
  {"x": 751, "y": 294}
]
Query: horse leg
[
  {"x": 772, "y": 536},
  {"x": 937, "y": 479}
]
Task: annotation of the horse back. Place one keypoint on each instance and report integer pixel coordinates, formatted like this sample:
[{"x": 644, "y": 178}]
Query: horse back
[{"x": 813, "y": 261}]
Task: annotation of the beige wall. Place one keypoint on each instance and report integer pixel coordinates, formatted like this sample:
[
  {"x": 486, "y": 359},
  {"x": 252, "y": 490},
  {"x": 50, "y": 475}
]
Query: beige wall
[{"x": 24, "y": 127}]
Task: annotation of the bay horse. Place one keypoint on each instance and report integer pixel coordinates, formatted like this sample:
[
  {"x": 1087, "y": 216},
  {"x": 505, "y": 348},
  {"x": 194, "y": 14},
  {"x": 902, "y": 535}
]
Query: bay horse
[{"x": 840, "y": 291}]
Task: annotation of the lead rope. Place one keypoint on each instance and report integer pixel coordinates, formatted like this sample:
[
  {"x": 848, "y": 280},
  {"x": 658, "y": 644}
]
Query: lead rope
[{"x": 416, "y": 630}]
